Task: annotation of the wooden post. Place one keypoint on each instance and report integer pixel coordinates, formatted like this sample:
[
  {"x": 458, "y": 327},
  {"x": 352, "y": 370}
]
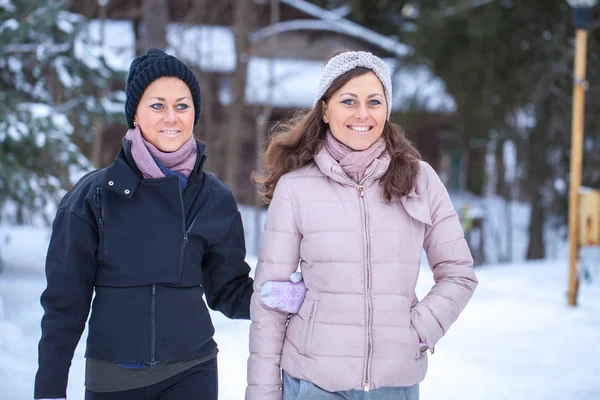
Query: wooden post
[{"x": 579, "y": 87}]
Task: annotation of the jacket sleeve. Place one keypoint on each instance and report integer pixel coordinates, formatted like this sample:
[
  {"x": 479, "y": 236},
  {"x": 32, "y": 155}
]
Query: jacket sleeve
[
  {"x": 451, "y": 262},
  {"x": 226, "y": 274},
  {"x": 70, "y": 273},
  {"x": 278, "y": 258}
]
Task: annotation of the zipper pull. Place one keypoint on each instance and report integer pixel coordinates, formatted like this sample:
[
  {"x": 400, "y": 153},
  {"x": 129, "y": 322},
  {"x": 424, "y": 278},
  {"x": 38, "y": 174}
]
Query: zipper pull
[
  {"x": 361, "y": 190},
  {"x": 97, "y": 198},
  {"x": 367, "y": 385},
  {"x": 185, "y": 237}
]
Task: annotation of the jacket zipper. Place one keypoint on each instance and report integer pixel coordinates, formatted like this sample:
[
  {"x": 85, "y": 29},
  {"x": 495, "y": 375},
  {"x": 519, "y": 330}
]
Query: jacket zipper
[
  {"x": 185, "y": 238},
  {"x": 369, "y": 306},
  {"x": 153, "y": 328},
  {"x": 98, "y": 203},
  {"x": 153, "y": 306},
  {"x": 182, "y": 256},
  {"x": 311, "y": 326},
  {"x": 183, "y": 246},
  {"x": 186, "y": 233}
]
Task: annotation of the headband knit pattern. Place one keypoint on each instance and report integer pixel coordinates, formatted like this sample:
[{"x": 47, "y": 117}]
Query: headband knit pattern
[{"x": 349, "y": 60}]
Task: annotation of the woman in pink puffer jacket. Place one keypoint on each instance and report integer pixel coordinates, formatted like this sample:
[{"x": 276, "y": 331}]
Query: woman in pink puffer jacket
[{"x": 352, "y": 205}]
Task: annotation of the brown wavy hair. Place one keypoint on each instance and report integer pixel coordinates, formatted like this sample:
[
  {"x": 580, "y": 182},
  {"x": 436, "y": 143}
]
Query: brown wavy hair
[{"x": 295, "y": 142}]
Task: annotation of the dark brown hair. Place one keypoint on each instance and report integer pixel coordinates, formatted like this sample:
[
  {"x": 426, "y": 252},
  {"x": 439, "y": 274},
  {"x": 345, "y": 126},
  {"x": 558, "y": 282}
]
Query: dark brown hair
[{"x": 295, "y": 142}]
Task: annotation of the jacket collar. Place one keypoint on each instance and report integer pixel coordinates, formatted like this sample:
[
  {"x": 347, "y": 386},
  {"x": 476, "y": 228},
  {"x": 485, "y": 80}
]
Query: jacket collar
[
  {"x": 124, "y": 176},
  {"x": 417, "y": 206},
  {"x": 415, "y": 203}
]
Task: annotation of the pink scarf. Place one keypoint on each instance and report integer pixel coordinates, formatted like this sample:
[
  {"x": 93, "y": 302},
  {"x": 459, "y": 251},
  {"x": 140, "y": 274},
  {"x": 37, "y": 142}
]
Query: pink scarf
[
  {"x": 354, "y": 163},
  {"x": 181, "y": 160}
]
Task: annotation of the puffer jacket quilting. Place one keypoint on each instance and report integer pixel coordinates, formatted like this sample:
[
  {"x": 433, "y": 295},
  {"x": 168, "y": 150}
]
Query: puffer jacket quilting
[{"x": 360, "y": 324}]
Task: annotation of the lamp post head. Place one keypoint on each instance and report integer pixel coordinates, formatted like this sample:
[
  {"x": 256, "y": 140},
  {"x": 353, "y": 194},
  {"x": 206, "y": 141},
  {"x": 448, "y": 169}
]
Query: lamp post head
[
  {"x": 582, "y": 3},
  {"x": 582, "y": 12}
]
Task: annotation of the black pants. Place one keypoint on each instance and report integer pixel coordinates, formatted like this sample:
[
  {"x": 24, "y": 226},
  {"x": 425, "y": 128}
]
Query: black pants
[{"x": 197, "y": 383}]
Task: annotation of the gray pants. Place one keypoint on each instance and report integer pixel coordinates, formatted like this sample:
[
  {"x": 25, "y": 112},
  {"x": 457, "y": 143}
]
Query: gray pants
[{"x": 295, "y": 389}]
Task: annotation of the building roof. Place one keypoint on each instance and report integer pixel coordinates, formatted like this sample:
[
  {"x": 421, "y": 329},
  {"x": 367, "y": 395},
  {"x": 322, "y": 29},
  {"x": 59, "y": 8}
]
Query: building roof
[{"x": 325, "y": 20}]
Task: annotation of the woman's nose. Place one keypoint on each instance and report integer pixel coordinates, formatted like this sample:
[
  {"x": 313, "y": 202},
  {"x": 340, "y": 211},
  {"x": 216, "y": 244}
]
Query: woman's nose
[
  {"x": 361, "y": 112},
  {"x": 169, "y": 115}
]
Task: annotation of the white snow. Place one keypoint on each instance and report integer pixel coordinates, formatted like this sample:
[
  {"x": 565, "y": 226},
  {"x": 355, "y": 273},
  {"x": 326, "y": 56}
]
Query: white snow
[
  {"x": 11, "y": 24},
  {"x": 68, "y": 80},
  {"x": 516, "y": 340},
  {"x": 62, "y": 121},
  {"x": 65, "y": 25},
  {"x": 40, "y": 140},
  {"x": 113, "y": 105},
  {"x": 14, "y": 64},
  {"x": 116, "y": 47},
  {"x": 37, "y": 110},
  {"x": 7, "y": 5},
  {"x": 209, "y": 47}
]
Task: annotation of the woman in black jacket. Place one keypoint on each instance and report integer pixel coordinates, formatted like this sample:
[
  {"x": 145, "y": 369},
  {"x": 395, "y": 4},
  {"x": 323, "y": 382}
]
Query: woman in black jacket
[{"x": 151, "y": 234}]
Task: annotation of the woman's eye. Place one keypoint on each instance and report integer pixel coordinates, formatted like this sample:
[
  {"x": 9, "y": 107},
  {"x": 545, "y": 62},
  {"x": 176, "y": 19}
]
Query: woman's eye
[
  {"x": 157, "y": 106},
  {"x": 182, "y": 107},
  {"x": 348, "y": 102},
  {"x": 375, "y": 102}
]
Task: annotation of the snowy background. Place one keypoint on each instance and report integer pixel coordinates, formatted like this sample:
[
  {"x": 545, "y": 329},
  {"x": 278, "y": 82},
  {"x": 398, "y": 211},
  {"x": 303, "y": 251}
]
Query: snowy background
[{"x": 516, "y": 340}]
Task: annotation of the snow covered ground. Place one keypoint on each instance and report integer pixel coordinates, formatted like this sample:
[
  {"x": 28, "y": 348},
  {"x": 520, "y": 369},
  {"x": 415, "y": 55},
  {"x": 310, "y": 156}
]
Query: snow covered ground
[{"x": 517, "y": 339}]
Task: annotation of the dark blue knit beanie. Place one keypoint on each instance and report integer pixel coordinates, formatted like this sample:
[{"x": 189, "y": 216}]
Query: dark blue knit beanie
[{"x": 149, "y": 67}]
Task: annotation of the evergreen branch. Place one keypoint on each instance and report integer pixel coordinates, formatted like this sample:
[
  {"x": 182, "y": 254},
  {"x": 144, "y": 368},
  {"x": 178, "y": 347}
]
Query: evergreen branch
[{"x": 34, "y": 47}]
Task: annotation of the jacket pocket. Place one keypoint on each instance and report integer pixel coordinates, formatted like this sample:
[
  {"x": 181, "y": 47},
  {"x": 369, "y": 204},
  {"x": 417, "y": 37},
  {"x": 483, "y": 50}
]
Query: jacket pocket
[
  {"x": 418, "y": 354},
  {"x": 309, "y": 328}
]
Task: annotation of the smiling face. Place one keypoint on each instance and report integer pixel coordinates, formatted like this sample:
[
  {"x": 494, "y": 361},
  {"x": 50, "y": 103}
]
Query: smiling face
[
  {"x": 165, "y": 114},
  {"x": 357, "y": 112}
]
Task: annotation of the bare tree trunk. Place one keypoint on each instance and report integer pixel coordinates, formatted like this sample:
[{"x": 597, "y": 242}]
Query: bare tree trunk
[
  {"x": 243, "y": 21},
  {"x": 137, "y": 27},
  {"x": 262, "y": 127},
  {"x": 209, "y": 133},
  {"x": 476, "y": 170},
  {"x": 206, "y": 12},
  {"x": 155, "y": 14},
  {"x": 98, "y": 141},
  {"x": 536, "y": 248},
  {"x": 501, "y": 186}
]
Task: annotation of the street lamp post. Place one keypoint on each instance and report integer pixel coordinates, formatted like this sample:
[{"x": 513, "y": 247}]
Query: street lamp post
[{"x": 581, "y": 18}]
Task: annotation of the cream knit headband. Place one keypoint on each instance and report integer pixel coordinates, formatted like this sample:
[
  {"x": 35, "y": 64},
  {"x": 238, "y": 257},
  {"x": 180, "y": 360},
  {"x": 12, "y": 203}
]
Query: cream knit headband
[{"x": 349, "y": 60}]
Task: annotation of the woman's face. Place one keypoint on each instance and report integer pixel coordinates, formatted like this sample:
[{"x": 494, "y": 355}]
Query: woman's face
[
  {"x": 165, "y": 114},
  {"x": 356, "y": 113}
]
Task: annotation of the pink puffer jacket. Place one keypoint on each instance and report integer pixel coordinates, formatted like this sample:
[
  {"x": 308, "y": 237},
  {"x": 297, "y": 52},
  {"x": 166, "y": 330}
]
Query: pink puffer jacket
[{"x": 360, "y": 324}]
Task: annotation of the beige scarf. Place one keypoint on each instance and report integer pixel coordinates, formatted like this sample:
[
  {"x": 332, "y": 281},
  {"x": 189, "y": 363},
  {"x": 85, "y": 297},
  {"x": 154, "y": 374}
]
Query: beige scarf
[{"x": 354, "y": 163}]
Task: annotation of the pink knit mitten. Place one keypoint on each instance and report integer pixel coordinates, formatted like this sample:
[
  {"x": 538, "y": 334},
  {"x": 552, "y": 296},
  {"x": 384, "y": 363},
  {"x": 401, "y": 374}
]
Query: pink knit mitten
[{"x": 286, "y": 296}]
